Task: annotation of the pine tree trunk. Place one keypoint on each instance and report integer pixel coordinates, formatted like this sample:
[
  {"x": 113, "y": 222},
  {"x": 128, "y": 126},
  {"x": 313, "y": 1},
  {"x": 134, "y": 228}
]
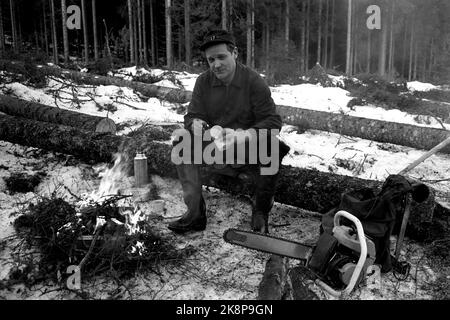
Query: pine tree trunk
[
  {"x": 224, "y": 14},
  {"x": 383, "y": 43},
  {"x": 267, "y": 48},
  {"x": 169, "y": 55},
  {"x": 376, "y": 130},
  {"x": 2, "y": 35},
  {"x": 391, "y": 42},
  {"x": 44, "y": 15},
  {"x": 286, "y": 27},
  {"x": 354, "y": 42},
  {"x": 308, "y": 32},
  {"x": 348, "y": 66},
  {"x": 54, "y": 38},
  {"x": 65, "y": 34},
  {"x": 140, "y": 41},
  {"x": 252, "y": 33},
  {"x": 13, "y": 26},
  {"x": 130, "y": 27},
  {"x": 144, "y": 33},
  {"x": 405, "y": 44},
  {"x": 325, "y": 51},
  {"x": 333, "y": 18},
  {"x": 303, "y": 39},
  {"x": 152, "y": 34},
  {"x": 94, "y": 24},
  {"x": 19, "y": 25},
  {"x": 135, "y": 33},
  {"x": 415, "y": 60},
  {"x": 187, "y": 28},
  {"x": 369, "y": 50},
  {"x": 85, "y": 31},
  {"x": 411, "y": 51},
  {"x": 249, "y": 32},
  {"x": 319, "y": 33},
  {"x": 36, "y": 111}
]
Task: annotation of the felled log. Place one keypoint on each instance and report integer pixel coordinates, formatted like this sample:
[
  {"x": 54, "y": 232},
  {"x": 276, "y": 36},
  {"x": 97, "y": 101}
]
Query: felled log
[
  {"x": 371, "y": 129},
  {"x": 149, "y": 90},
  {"x": 273, "y": 283},
  {"x": 307, "y": 189},
  {"x": 86, "y": 145},
  {"x": 37, "y": 111}
]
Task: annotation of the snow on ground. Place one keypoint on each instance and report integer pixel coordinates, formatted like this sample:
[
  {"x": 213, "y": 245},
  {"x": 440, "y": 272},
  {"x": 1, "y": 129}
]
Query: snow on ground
[
  {"x": 420, "y": 86},
  {"x": 218, "y": 270}
]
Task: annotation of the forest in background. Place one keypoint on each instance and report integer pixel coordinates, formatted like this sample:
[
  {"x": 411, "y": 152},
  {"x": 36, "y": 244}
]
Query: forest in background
[{"x": 282, "y": 38}]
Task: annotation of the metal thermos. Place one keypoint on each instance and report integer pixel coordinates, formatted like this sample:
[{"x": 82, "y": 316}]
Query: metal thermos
[{"x": 140, "y": 169}]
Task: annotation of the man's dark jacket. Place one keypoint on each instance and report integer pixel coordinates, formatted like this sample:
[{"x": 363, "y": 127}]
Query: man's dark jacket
[{"x": 245, "y": 103}]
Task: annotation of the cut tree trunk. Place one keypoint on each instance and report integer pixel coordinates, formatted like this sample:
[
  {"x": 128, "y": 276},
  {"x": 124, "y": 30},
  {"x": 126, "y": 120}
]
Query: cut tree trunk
[
  {"x": 377, "y": 130},
  {"x": 308, "y": 189},
  {"x": 149, "y": 90},
  {"x": 36, "y": 111},
  {"x": 371, "y": 129}
]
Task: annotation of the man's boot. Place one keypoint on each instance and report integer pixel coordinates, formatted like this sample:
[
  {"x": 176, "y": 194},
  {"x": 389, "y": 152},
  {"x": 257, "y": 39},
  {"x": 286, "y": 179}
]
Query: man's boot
[
  {"x": 195, "y": 217},
  {"x": 260, "y": 218},
  {"x": 263, "y": 203},
  {"x": 189, "y": 222}
]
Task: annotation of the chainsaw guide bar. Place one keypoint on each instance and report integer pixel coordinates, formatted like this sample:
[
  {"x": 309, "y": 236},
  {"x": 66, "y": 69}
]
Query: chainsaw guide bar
[{"x": 269, "y": 244}]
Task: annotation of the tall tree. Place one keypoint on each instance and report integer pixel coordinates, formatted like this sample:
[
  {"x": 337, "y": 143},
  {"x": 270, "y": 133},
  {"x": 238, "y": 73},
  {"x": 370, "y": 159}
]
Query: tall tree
[
  {"x": 383, "y": 40},
  {"x": 54, "y": 38},
  {"x": 144, "y": 33},
  {"x": 94, "y": 24},
  {"x": 85, "y": 31},
  {"x": 325, "y": 45},
  {"x": 308, "y": 32},
  {"x": 369, "y": 50},
  {"x": 2, "y": 35},
  {"x": 303, "y": 38},
  {"x": 152, "y": 34},
  {"x": 13, "y": 25},
  {"x": 187, "y": 30},
  {"x": 319, "y": 32},
  {"x": 250, "y": 32},
  {"x": 411, "y": 50},
  {"x": 224, "y": 15},
  {"x": 333, "y": 22},
  {"x": 44, "y": 16},
  {"x": 139, "y": 20},
  {"x": 131, "y": 33},
  {"x": 391, "y": 41},
  {"x": 348, "y": 64},
  {"x": 286, "y": 26},
  {"x": 64, "y": 29},
  {"x": 169, "y": 54}
]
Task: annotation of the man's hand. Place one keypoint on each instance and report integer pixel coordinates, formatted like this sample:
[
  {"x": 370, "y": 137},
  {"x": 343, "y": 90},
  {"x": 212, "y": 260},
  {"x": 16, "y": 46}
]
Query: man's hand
[
  {"x": 198, "y": 126},
  {"x": 225, "y": 138}
]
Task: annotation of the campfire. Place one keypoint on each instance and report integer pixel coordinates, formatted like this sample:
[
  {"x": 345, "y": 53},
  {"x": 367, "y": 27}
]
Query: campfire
[{"x": 102, "y": 231}]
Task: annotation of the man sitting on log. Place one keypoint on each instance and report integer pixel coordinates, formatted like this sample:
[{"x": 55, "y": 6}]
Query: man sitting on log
[{"x": 232, "y": 105}]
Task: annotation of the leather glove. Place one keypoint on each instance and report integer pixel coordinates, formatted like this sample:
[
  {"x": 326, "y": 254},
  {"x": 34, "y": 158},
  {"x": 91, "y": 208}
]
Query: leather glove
[{"x": 198, "y": 126}]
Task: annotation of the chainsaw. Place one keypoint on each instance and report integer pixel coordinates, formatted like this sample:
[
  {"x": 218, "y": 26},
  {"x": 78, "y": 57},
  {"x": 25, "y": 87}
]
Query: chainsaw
[{"x": 339, "y": 260}]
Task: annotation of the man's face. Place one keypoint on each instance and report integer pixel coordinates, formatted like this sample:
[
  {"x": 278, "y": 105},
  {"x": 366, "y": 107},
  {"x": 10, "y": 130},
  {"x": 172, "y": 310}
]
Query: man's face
[{"x": 222, "y": 62}]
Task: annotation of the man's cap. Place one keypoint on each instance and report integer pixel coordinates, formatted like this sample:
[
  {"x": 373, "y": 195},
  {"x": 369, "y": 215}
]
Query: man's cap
[{"x": 217, "y": 37}]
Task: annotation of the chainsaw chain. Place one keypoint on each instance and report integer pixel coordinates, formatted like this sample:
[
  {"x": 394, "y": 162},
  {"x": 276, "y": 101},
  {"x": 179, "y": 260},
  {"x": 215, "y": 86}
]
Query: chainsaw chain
[{"x": 267, "y": 236}]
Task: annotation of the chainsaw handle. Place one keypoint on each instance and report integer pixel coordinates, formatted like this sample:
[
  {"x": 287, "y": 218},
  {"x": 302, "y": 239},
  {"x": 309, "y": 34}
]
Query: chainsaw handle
[{"x": 362, "y": 257}]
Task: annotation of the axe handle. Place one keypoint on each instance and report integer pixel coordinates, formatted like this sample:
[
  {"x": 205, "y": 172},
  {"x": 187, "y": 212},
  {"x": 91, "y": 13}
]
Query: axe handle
[{"x": 425, "y": 156}]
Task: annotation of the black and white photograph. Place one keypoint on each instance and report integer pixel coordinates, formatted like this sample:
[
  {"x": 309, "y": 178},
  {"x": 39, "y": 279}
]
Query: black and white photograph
[{"x": 246, "y": 152}]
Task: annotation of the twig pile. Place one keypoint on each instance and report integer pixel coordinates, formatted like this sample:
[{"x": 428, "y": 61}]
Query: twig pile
[{"x": 97, "y": 239}]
